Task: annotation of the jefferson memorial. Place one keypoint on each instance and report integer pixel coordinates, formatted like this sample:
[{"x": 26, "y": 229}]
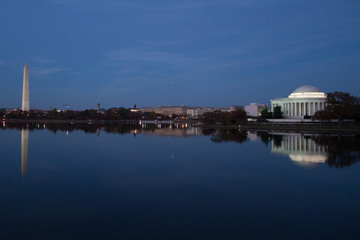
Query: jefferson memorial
[{"x": 304, "y": 101}]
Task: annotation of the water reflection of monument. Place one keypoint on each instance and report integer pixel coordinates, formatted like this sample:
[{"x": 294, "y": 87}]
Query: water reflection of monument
[
  {"x": 24, "y": 150},
  {"x": 300, "y": 148}
]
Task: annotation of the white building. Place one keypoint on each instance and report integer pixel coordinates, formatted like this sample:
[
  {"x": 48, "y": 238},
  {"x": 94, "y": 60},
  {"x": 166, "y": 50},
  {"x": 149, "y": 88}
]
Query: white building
[
  {"x": 166, "y": 110},
  {"x": 254, "y": 109},
  {"x": 197, "y": 112},
  {"x": 304, "y": 101}
]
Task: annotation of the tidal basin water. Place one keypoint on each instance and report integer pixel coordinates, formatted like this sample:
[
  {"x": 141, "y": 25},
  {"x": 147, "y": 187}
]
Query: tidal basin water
[{"x": 147, "y": 182}]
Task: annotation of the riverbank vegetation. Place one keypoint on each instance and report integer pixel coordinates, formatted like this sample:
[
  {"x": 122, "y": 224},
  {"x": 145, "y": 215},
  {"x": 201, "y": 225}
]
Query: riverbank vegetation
[{"x": 339, "y": 106}]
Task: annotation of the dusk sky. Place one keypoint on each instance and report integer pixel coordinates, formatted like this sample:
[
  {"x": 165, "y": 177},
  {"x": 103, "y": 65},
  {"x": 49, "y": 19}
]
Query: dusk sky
[{"x": 196, "y": 53}]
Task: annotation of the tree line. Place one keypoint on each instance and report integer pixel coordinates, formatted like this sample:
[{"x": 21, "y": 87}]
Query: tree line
[{"x": 339, "y": 105}]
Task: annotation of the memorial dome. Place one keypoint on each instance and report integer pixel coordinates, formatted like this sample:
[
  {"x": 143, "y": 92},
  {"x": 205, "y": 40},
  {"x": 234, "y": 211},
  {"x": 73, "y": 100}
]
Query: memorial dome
[
  {"x": 306, "y": 88},
  {"x": 307, "y": 91}
]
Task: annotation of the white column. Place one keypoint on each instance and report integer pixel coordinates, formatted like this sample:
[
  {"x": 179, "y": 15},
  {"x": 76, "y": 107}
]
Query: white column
[
  {"x": 287, "y": 109},
  {"x": 302, "y": 109},
  {"x": 294, "y": 106},
  {"x": 313, "y": 108},
  {"x": 307, "y": 108},
  {"x": 297, "y": 109}
]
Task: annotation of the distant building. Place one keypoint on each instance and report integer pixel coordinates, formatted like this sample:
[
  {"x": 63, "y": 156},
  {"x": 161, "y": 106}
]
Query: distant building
[
  {"x": 192, "y": 112},
  {"x": 254, "y": 109},
  {"x": 99, "y": 109},
  {"x": 199, "y": 111},
  {"x": 134, "y": 110},
  {"x": 196, "y": 112},
  {"x": 304, "y": 101},
  {"x": 166, "y": 110}
]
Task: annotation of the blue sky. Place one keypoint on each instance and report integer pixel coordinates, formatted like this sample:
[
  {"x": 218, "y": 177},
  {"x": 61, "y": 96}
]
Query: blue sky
[{"x": 198, "y": 52}]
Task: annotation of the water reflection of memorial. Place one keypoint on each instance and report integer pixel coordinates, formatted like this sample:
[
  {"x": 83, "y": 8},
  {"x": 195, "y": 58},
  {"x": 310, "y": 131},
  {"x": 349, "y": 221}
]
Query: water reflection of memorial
[{"x": 301, "y": 149}]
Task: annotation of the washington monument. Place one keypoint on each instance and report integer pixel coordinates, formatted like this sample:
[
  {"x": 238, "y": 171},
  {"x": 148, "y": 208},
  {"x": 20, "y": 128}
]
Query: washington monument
[{"x": 25, "y": 95}]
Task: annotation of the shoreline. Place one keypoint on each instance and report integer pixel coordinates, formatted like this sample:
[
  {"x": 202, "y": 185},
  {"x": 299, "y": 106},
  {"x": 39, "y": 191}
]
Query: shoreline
[
  {"x": 318, "y": 127},
  {"x": 299, "y": 128}
]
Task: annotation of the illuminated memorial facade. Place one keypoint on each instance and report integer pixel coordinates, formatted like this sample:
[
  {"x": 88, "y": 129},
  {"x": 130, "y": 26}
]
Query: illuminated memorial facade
[{"x": 304, "y": 101}]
